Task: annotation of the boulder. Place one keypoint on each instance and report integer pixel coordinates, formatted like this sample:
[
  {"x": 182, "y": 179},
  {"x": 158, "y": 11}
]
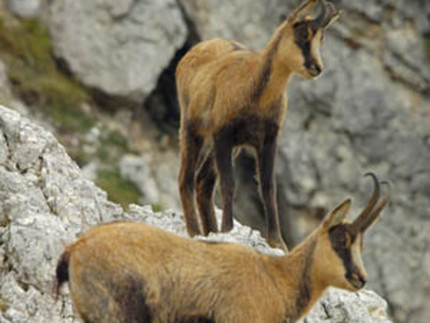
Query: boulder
[
  {"x": 248, "y": 22},
  {"x": 119, "y": 48},
  {"x": 25, "y": 8},
  {"x": 154, "y": 173}
]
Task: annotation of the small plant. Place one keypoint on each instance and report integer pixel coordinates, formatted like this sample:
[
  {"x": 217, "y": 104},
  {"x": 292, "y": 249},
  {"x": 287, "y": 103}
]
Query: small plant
[
  {"x": 427, "y": 45},
  {"x": 119, "y": 190},
  {"x": 26, "y": 48},
  {"x": 157, "y": 207},
  {"x": 112, "y": 145}
]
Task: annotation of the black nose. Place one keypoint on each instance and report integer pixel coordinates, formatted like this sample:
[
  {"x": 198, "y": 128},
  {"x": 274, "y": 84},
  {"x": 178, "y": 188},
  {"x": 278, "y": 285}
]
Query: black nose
[
  {"x": 357, "y": 280},
  {"x": 315, "y": 69},
  {"x": 362, "y": 280}
]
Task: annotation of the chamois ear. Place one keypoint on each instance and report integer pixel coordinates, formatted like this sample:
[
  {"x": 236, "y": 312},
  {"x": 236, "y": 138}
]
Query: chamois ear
[
  {"x": 338, "y": 214},
  {"x": 304, "y": 10}
]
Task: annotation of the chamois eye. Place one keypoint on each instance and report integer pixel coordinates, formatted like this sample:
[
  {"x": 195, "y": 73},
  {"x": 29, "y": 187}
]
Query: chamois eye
[
  {"x": 348, "y": 241},
  {"x": 304, "y": 35},
  {"x": 342, "y": 240}
]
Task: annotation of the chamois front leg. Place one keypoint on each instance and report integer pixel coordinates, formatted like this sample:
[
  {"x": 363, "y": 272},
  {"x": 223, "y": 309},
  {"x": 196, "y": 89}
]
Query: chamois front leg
[
  {"x": 191, "y": 144},
  {"x": 206, "y": 179},
  {"x": 223, "y": 151},
  {"x": 266, "y": 162}
]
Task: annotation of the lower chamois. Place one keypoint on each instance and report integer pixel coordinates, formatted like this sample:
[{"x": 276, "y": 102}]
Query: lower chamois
[
  {"x": 230, "y": 96},
  {"x": 135, "y": 273}
]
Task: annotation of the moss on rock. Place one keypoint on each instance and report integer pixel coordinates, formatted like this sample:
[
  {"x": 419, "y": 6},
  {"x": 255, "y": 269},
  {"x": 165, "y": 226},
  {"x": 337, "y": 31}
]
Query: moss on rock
[
  {"x": 427, "y": 45},
  {"x": 119, "y": 190},
  {"x": 26, "y": 48}
]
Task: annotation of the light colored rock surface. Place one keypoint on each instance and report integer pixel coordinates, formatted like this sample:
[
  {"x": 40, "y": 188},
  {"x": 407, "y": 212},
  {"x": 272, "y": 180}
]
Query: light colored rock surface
[
  {"x": 45, "y": 203},
  {"x": 6, "y": 96},
  {"x": 342, "y": 306},
  {"x": 121, "y": 47},
  {"x": 5, "y": 93},
  {"x": 154, "y": 173},
  {"x": 25, "y": 8},
  {"x": 249, "y": 22}
]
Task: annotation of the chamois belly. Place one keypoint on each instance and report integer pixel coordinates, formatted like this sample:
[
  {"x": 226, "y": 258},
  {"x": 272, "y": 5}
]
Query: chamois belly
[{"x": 248, "y": 129}]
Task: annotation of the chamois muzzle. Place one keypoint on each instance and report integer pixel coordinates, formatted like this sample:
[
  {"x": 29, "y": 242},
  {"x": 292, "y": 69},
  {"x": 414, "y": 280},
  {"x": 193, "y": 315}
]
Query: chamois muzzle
[
  {"x": 372, "y": 210},
  {"x": 314, "y": 69},
  {"x": 357, "y": 280}
]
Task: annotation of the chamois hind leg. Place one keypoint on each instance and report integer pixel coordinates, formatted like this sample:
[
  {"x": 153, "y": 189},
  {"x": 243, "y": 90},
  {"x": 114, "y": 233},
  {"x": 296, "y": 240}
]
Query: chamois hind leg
[
  {"x": 205, "y": 184},
  {"x": 266, "y": 160},
  {"x": 223, "y": 157},
  {"x": 191, "y": 144}
]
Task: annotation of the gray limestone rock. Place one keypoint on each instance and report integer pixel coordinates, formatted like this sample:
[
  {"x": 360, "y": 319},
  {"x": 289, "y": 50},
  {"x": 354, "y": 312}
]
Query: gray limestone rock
[
  {"x": 25, "y": 8},
  {"x": 118, "y": 47},
  {"x": 154, "y": 173},
  {"x": 249, "y": 22}
]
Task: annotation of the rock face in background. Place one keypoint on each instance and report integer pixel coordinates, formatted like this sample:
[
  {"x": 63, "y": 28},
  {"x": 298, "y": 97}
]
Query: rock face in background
[
  {"x": 45, "y": 202},
  {"x": 154, "y": 176},
  {"x": 120, "y": 48},
  {"x": 368, "y": 111},
  {"x": 250, "y": 22},
  {"x": 25, "y": 8}
]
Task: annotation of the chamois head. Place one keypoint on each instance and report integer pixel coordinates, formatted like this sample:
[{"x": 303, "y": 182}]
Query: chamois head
[
  {"x": 341, "y": 243},
  {"x": 304, "y": 36}
]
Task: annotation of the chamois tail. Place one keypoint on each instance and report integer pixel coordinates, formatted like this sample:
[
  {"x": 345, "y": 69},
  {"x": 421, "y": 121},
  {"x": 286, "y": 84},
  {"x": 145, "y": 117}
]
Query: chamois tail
[{"x": 61, "y": 272}]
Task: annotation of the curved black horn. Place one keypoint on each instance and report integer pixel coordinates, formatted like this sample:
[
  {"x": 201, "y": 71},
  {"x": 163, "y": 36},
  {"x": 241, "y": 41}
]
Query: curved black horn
[
  {"x": 320, "y": 19},
  {"x": 361, "y": 219},
  {"x": 327, "y": 15},
  {"x": 377, "y": 210}
]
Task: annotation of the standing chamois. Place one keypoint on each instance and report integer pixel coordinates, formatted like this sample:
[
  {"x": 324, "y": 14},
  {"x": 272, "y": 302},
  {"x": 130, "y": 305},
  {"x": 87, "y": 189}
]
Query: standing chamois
[
  {"x": 231, "y": 96},
  {"x": 134, "y": 273}
]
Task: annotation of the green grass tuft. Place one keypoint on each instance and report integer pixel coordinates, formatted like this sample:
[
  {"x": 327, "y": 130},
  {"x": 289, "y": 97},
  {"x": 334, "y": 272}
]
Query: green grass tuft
[
  {"x": 157, "y": 207},
  {"x": 427, "y": 46},
  {"x": 119, "y": 190},
  {"x": 26, "y": 48},
  {"x": 113, "y": 145},
  {"x": 3, "y": 306}
]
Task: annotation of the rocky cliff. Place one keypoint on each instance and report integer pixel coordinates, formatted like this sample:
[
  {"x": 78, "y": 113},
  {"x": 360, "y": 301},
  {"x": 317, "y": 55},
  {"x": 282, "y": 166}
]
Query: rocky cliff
[
  {"x": 368, "y": 111},
  {"x": 45, "y": 203}
]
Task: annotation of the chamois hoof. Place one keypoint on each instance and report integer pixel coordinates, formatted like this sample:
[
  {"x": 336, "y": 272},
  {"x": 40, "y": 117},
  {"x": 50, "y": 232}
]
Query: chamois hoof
[
  {"x": 193, "y": 231},
  {"x": 277, "y": 242},
  {"x": 226, "y": 227}
]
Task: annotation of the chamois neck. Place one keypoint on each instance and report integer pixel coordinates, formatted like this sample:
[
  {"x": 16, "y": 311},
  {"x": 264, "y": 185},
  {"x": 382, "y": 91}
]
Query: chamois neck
[
  {"x": 295, "y": 275},
  {"x": 274, "y": 73}
]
